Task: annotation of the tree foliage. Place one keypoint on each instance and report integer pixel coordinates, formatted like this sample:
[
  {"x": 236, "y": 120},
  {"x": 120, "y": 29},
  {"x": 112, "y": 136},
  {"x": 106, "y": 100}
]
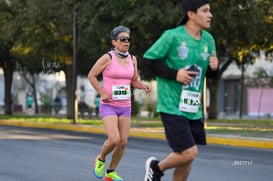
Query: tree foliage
[
  {"x": 241, "y": 29},
  {"x": 146, "y": 19}
]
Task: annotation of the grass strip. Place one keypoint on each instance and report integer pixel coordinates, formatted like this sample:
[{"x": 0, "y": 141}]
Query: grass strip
[{"x": 253, "y": 128}]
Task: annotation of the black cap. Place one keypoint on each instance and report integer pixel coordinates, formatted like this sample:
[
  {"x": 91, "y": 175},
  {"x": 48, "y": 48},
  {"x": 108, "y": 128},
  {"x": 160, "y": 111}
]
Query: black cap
[{"x": 190, "y": 5}]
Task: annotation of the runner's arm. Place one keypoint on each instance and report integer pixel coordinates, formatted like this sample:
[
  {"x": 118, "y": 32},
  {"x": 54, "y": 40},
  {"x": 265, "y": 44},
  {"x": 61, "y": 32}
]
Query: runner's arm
[{"x": 158, "y": 68}]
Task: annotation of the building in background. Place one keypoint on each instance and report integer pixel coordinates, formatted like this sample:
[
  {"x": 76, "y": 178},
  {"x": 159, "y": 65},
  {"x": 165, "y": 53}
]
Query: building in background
[{"x": 257, "y": 101}]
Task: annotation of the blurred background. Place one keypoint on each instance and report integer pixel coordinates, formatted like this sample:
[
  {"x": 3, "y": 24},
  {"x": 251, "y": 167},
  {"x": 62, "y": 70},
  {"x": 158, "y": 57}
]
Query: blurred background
[{"x": 47, "y": 48}]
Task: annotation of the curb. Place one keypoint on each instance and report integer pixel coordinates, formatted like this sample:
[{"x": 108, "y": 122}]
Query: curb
[{"x": 147, "y": 133}]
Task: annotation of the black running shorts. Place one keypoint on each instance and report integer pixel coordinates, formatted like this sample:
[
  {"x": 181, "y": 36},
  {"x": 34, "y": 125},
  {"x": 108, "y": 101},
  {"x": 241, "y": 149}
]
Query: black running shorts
[{"x": 182, "y": 133}]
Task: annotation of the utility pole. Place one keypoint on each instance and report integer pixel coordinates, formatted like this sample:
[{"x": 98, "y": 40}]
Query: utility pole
[
  {"x": 75, "y": 33},
  {"x": 205, "y": 102},
  {"x": 242, "y": 91}
]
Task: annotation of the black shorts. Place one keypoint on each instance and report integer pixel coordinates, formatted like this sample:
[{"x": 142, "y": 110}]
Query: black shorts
[{"x": 182, "y": 133}]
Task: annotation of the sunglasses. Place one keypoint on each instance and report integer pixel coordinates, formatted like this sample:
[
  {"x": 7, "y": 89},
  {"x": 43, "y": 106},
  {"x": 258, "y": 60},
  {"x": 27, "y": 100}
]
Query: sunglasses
[{"x": 124, "y": 39}]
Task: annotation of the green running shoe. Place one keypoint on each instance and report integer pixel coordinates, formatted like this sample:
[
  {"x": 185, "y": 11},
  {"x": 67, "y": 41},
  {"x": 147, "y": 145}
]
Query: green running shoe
[
  {"x": 112, "y": 176},
  {"x": 99, "y": 168}
]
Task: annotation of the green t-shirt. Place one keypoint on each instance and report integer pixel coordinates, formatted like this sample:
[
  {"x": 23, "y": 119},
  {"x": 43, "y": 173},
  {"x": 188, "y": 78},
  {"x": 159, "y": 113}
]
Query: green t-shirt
[{"x": 177, "y": 49}]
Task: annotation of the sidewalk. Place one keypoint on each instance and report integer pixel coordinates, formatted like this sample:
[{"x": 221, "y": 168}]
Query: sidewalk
[{"x": 154, "y": 133}]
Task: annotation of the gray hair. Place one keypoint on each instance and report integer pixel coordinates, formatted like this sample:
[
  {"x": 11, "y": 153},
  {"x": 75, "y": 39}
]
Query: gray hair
[{"x": 117, "y": 30}]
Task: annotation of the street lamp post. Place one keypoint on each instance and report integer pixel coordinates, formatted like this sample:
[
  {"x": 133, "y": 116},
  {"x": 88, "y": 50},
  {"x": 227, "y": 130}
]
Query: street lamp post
[{"x": 75, "y": 28}]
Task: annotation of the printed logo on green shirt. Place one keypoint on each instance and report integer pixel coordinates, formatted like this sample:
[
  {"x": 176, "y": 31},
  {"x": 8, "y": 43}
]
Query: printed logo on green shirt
[
  {"x": 205, "y": 54},
  {"x": 183, "y": 51}
]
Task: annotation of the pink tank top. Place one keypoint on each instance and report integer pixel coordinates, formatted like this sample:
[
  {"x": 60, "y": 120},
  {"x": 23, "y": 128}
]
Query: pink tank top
[{"x": 117, "y": 80}]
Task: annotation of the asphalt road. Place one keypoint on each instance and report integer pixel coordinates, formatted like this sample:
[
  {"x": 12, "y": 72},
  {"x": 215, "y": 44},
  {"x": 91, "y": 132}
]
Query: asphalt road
[{"x": 45, "y": 155}]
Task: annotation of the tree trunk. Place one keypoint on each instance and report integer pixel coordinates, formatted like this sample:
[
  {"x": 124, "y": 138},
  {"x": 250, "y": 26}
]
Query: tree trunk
[
  {"x": 69, "y": 91},
  {"x": 8, "y": 67},
  {"x": 242, "y": 91},
  {"x": 213, "y": 87},
  {"x": 260, "y": 102},
  {"x": 35, "y": 94}
]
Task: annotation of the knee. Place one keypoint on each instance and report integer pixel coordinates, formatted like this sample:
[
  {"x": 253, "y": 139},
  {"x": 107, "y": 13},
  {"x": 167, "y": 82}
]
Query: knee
[
  {"x": 123, "y": 143},
  {"x": 113, "y": 141},
  {"x": 117, "y": 142},
  {"x": 191, "y": 153}
]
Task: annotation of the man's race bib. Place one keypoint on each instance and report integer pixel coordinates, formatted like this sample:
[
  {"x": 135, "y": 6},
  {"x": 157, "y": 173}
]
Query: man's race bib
[
  {"x": 121, "y": 92},
  {"x": 189, "y": 101}
]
